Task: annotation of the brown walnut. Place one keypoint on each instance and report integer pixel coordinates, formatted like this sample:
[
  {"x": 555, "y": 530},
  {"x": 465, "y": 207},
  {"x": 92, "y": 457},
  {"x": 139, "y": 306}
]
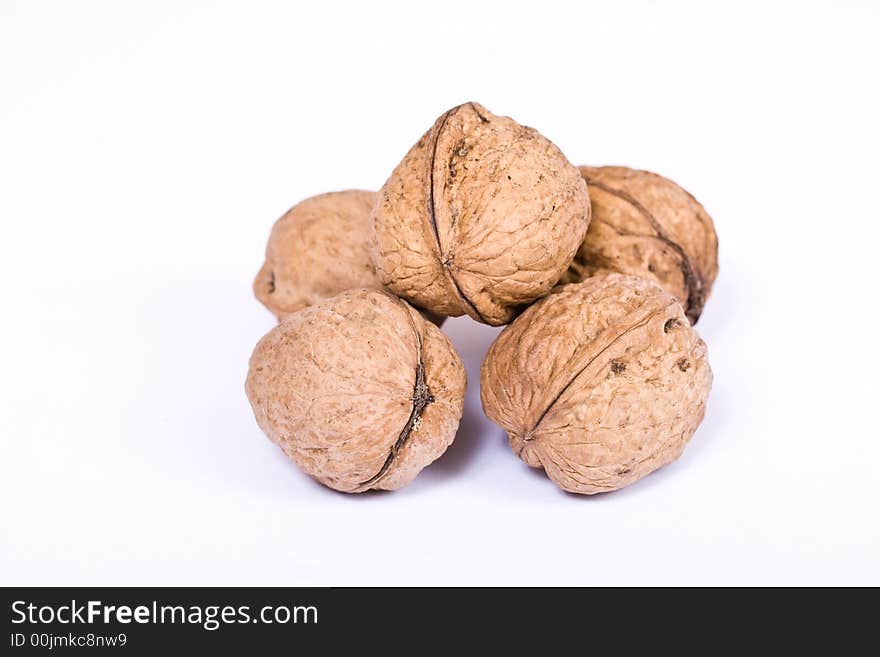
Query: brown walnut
[
  {"x": 481, "y": 217},
  {"x": 646, "y": 225},
  {"x": 316, "y": 250},
  {"x": 359, "y": 390},
  {"x": 599, "y": 383}
]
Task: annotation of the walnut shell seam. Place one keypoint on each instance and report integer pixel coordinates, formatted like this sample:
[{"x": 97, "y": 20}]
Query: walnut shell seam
[
  {"x": 694, "y": 282},
  {"x": 641, "y": 322},
  {"x": 432, "y": 209},
  {"x": 421, "y": 398}
]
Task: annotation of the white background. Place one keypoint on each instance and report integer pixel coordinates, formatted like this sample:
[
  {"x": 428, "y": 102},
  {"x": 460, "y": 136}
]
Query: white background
[{"x": 146, "y": 149}]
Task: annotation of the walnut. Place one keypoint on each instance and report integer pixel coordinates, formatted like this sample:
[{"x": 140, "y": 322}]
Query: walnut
[
  {"x": 599, "y": 383},
  {"x": 481, "y": 217},
  {"x": 646, "y": 225},
  {"x": 316, "y": 250},
  {"x": 359, "y": 390}
]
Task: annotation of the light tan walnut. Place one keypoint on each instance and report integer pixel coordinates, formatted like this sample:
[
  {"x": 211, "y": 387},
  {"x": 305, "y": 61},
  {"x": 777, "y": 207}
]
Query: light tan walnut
[
  {"x": 316, "y": 250},
  {"x": 599, "y": 383},
  {"x": 646, "y": 225},
  {"x": 359, "y": 390},
  {"x": 481, "y": 217}
]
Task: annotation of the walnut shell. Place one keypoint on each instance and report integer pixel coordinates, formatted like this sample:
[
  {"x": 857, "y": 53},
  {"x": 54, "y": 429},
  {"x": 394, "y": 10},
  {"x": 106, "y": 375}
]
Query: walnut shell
[
  {"x": 359, "y": 390},
  {"x": 599, "y": 383},
  {"x": 317, "y": 250},
  {"x": 481, "y": 217},
  {"x": 646, "y": 225}
]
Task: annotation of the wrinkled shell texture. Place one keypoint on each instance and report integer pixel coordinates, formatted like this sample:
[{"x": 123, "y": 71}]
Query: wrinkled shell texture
[
  {"x": 599, "y": 383},
  {"x": 360, "y": 391},
  {"x": 646, "y": 225},
  {"x": 481, "y": 217},
  {"x": 316, "y": 250}
]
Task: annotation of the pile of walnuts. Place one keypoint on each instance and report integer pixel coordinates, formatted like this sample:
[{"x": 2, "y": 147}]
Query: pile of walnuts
[{"x": 598, "y": 273}]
